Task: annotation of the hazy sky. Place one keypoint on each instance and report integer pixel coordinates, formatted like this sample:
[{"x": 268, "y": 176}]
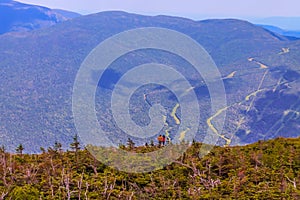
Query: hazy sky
[{"x": 188, "y": 8}]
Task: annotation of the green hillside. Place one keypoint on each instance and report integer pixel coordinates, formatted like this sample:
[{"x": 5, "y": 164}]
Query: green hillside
[{"x": 260, "y": 71}]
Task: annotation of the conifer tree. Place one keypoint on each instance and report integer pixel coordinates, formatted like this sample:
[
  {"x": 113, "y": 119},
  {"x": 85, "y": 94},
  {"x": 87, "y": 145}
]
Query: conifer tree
[
  {"x": 20, "y": 149},
  {"x": 130, "y": 143},
  {"x": 57, "y": 146},
  {"x": 75, "y": 146}
]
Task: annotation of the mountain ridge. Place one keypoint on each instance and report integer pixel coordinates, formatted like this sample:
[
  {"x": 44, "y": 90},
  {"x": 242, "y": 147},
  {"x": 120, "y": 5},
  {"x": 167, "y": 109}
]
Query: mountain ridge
[
  {"x": 36, "y": 107},
  {"x": 288, "y": 33},
  {"x": 20, "y": 17}
]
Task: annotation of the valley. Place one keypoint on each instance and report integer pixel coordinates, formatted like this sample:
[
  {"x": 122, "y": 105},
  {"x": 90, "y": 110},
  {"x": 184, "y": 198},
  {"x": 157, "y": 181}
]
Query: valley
[{"x": 260, "y": 73}]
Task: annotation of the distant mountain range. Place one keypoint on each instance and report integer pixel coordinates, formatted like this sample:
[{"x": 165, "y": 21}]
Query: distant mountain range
[
  {"x": 286, "y": 23},
  {"x": 260, "y": 70},
  {"x": 291, "y": 34},
  {"x": 17, "y": 17}
]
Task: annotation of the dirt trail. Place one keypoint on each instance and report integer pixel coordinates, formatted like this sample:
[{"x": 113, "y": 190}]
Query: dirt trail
[
  {"x": 173, "y": 114},
  {"x": 211, "y": 126},
  {"x": 284, "y": 51},
  {"x": 247, "y": 98}
]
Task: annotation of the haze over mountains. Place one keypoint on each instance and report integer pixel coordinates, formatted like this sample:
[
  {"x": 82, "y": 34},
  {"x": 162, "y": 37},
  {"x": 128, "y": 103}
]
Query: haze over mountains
[
  {"x": 287, "y": 23},
  {"x": 292, "y": 34},
  {"x": 260, "y": 69}
]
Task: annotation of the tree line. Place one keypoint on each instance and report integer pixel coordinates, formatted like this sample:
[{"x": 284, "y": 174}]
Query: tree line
[{"x": 263, "y": 170}]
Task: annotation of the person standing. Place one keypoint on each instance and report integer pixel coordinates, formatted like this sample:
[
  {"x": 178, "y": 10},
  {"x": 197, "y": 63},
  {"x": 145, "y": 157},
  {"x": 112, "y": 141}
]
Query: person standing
[
  {"x": 160, "y": 139},
  {"x": 163, "y": 140}
]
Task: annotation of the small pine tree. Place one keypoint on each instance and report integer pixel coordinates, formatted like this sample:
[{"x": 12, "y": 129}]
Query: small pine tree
[
  {"x": 20, "y": 149},
  {"x": 42, "y": 149},
  {"x": 194, "y": 142},
  {"x": 57, "y": 146},
  {"x": 75, "y": 146},
  {"x": 130, "y": 143},
  {"x": 2, "y": 149}
]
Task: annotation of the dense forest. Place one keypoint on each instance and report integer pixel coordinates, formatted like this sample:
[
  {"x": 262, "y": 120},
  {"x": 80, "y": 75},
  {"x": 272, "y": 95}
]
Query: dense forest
[{"x": 263, "y": 170}]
